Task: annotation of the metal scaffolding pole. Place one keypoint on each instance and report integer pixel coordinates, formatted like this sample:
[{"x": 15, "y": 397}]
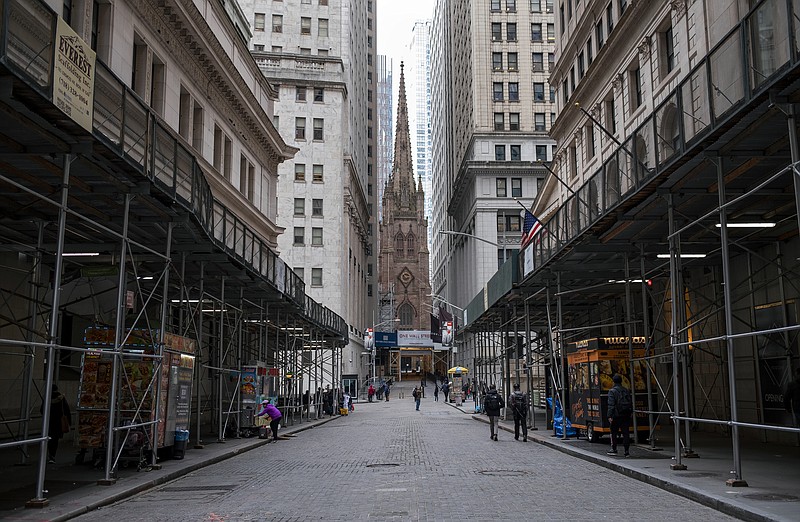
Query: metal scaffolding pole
[
  {"x": 160, "y": 350},
  {"x": 221, "y": 417},
  {"x": 737, "y": 480},
  {"x": 629, "y": 333},
  {"x": 39, "y": 500},
  {"x": 648, "y": 343},
  {"x": 198, "y": 444},
  {"x": 675, "y": 292},
  {"x": 111, "y": 434},
  {"x": 561, "y": 358}
]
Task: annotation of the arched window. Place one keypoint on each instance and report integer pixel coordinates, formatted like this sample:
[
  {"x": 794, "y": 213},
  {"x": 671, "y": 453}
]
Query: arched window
[
  {"x": 642, "y": 168},
  {"x": 406, "y": 313},
  {"x": 669, "y": 133},
  {"x": 410, "y": 245},
  {"x": 612, "y": 183},
  {"x": 398, "y": 244}
]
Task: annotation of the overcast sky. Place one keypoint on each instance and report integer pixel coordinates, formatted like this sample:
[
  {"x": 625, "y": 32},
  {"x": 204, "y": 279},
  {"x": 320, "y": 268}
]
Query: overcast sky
[{"x": 395, "y": 21}]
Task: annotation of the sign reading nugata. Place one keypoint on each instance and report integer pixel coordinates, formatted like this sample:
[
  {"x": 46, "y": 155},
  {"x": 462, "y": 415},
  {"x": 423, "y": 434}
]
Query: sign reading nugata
[{"x": 73, "y": 75}]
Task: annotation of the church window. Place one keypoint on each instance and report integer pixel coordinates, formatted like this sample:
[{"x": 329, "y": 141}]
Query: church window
[
  {"x": 406, "y": 314},
  {"x": 410, "y": 246},
  {"x": 398, "y": 244}
]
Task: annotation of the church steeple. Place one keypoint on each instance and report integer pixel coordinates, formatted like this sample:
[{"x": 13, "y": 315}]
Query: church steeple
[{"x": 402, "y": 180}]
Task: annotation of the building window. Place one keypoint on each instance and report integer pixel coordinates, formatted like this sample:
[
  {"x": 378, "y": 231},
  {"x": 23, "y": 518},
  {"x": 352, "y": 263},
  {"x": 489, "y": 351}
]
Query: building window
[
  {"x": 513, "y": 121},
  {"x": 305, "y": 50},
  {"x": 541, "y": 153},
  {"x": 406, "y": 312},
  {"x": 501, "y": 223},
  {"x": 305, "y": 25},
  {"x": 299, "y": 128},
  {"x": 581, "y": 66},
  {"x": 399, "y": 242},
  {"x": 516, "y": 184},
  {"x": 260, "y": 23},
  {"x": 565, "y": 91},
  {"x": 590, "y": 142},
  {"x": 317, "y": 174},
  {"x": 512, "y": 223},
  {"x": 611, "y": 115},
  {"x": 516, "y": 152},
  {"x": 609, "y": 19},
  {"x": 319, "y": 95},
  {"x": 551, "y": 61},
  {"x": 258, "y": 48},
  {"x": 223, "y": 153},
  {"x": 316, "y": 207},
  {"x": 538, "y": 92},
  {"x": 316, "y": 236},
  {"x": 667, "y": 51},
  {"x": 316, "y": 277},
  {"x": 513, "y": 91},
  {"x": 299, "y": 235},
  {"x": 275, "y": 48},
  {"x": 589, "y": 51},
  {"x": 299, "y": 172},
  {"x": 572, "y": 79},
  {"x": 536, "y": 32},
  {"x": 247, "y": 178},
  {"x": 623, "y": 4},
  {"x": 500, "y": 152},
  {"x": 551, "y": 32},
  {"x": 277, "y": 23},
  {"x": 569, "y": 9},
  {"x": 598, "y": 33},
  {"x": 538, "y": 121},
  {"x": 319, "y": 124},
  {"x": 511, "y": 6},
  {"x": 635, "y": 85},
  {"x": 511, "y": 32},
  {"x": 561, "y": 19},
  {"x": 552, "y": 94},
  {"x": 410, "y": 246},
  {"x": 513, "y": 62},
  {"x": 499, "y": 121},
  {"x": 536, "y": 6},
  {"x": 549, "y": 6},
  {"x": 497, "y": 91},
  {"x": 299, "y": 207},
  {"x": 300, "y": 93},
  {"x": 500, "y": 186},
  {"x": 322, "y": 27},
  {"x": 497, "y": 31},
  {"x": 497, "y": 61},
  {"x": 494, "y": 5},
  {"x": 538, "y": 63},
  {"x": 300, "y": 272},
  {"x": 573, "y": 161}
]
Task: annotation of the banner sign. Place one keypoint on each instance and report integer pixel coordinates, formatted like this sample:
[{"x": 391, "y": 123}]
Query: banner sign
[
  {"x": 414, "y": 338},
  {"x": 385, "y": 339},
  {"x": 73, "y": 75},
  {"x": 528, "y": 264}
]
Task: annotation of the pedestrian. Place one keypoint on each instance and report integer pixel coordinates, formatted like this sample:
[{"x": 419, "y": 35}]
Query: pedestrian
[
  {"x": 620, "y": 409},
  {"x": 422, "y": 387},
  {"x": 435, "y": 392},
  {"x": 417, "y": 394},
  {"x": 791, "y": 399},
  {"x": 60, "y": 421},
  {"x": 446, "y": 391},
  {"x": 519, "y": 407},
  {"x": 345, "y": 403},
  {"x": 465, "y": 389},
  {"x": 370, "y": 392},
  {"x": 493, "y": 403},
  {"x": 328, "y": 400},
  {"x": 273, "y": 414}
]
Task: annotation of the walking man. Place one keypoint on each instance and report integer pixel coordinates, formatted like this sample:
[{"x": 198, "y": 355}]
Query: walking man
[
  {"x": 422, "y": 387},
  {"x": 435, "y": 392},
  {"x": 417, "y": 394},
  {"x": 620, "y": 409},
  {"x": 493, "y": 403},
  {"x": 386, "y": 389},
  {"x": 446, "y": 390},
  {"x": 519, "y": 406}
]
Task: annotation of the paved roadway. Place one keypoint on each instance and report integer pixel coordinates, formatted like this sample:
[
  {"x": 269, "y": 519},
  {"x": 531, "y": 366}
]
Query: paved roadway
[{"x": 387, "y": 461}]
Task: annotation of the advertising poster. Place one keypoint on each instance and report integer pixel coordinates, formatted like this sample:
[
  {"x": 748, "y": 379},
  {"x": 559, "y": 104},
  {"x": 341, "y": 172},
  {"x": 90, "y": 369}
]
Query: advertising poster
[
  {"x": 775, "y": 352},
  {"x": 73, "y": 76}
]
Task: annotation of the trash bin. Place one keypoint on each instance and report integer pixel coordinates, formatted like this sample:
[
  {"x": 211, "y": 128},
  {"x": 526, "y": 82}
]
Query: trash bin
[{"x": 181, "y": 440}]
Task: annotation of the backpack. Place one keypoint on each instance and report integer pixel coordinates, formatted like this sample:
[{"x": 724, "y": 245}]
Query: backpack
[
  {"x": 624, "y": 404},
  {"x": 492, "y": 402},
  {"x": 518, "y": 402}
]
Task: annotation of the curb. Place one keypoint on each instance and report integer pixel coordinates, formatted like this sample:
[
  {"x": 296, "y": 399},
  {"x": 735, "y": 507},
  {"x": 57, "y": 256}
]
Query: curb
[
  {"x": 177, "y": 473},
  {"x": 671, "y": 487}
]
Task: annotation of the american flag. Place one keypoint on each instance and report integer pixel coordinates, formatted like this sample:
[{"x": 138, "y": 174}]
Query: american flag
[{"x": 530, "y": 227}]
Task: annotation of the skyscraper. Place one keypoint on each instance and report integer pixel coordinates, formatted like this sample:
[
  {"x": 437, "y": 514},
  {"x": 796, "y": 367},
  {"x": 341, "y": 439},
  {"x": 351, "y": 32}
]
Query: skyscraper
[
  {"x": 383, "y": 70},
  {"x": 419, "y": 103}
]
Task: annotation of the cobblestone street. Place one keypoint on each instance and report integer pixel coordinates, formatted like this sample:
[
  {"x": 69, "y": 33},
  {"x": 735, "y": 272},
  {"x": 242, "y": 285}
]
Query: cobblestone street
[{"x": 387, "y": 461}]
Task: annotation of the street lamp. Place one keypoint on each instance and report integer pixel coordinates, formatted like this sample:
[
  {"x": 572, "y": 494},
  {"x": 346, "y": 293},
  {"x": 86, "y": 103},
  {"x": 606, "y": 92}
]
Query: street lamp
[
  {"x": 371, "y": 334},
  {"x": 454, "y": 233}
]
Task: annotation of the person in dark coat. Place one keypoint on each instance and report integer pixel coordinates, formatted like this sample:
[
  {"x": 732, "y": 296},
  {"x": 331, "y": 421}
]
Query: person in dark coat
[
  {"x": 493, "y": 403},
  {"x": 791, "y": 399},
  {"x": 619, "y": 415},
  {"x": 59, "y": 408},
  {"x": 519, "y": 407}
]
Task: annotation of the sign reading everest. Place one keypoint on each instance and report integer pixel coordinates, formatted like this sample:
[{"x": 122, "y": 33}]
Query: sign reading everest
[
  {"x": 73, "y": 76},
  {"x": 414, "y": 338}
]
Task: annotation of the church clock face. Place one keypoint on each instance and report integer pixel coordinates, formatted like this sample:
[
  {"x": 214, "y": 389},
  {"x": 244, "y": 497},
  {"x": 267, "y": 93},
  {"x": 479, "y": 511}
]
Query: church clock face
[{"x": 406, "y": 277}]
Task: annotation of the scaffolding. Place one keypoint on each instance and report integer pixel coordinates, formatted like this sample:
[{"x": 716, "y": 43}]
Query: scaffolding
[
  {"x": 687, "y": 237},
  {"x": 119, "y": 228}
]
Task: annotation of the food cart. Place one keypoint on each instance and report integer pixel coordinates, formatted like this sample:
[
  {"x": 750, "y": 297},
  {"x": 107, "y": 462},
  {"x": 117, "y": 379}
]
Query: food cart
[
  {"x": 591, "y": 364},
  {"x": 136, "y": 388}
]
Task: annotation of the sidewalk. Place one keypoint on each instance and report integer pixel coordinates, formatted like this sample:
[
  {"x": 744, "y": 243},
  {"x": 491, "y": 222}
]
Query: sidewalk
[
  {"x": 72, "y": 490},
  {"x": 771, "y": 471}
]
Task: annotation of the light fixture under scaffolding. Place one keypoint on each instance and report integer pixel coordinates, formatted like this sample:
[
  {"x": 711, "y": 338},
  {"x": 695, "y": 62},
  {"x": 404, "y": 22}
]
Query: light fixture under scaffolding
[
  {"x": 748, "y": 225},
  {"x": 682, "y": 256}
]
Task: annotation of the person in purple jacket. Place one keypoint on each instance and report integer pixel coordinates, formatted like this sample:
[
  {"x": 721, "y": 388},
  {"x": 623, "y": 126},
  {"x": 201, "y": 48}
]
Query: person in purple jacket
[{"x": 275, "y": 417}]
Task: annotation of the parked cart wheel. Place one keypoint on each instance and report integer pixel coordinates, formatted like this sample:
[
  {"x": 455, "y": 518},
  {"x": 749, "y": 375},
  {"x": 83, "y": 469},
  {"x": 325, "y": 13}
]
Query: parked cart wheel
[{"x": 591, "y": 435}]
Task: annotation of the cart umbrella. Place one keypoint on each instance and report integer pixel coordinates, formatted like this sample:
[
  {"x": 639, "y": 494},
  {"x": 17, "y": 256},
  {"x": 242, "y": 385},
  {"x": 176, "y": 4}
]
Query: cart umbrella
[{"x": 457, "y": 369}]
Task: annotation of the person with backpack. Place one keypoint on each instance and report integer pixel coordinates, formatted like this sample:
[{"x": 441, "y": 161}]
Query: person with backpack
[
  {"x": 519, "y": 407},
  {"x": 492, "y": 404},
  {"x": 620, "y": 409},
  {"x": 417, "y": 394}
]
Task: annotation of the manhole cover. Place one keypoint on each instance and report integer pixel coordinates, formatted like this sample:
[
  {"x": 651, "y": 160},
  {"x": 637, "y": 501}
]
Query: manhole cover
[
  {"x": 771, "y": 497},
  {"x": 382, "y": 464},
  {"x": 503, "y": 472},
  {"x": 697, "y": 474}
]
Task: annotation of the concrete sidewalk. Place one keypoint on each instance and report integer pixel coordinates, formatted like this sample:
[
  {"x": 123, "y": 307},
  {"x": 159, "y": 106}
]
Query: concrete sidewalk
[
  {"x": 771, "y": 471},
  {"x": 72, "y": 489}
]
